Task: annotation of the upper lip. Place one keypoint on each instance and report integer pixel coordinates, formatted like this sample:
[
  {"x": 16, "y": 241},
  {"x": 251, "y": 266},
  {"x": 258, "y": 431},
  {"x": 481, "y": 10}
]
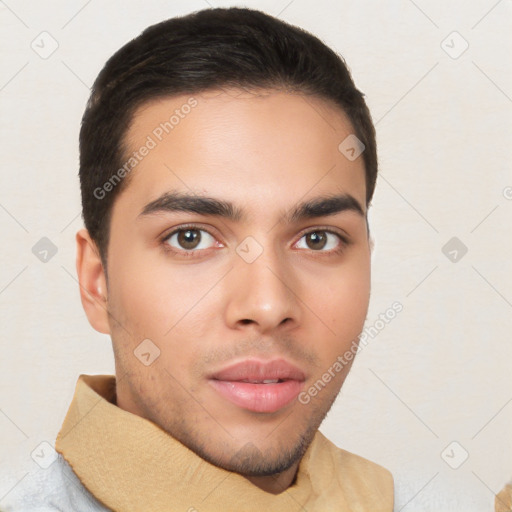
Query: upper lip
[{"x": 254, "y": 370}]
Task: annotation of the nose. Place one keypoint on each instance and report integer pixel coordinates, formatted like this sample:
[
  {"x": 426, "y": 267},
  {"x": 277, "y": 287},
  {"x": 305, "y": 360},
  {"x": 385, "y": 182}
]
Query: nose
[{"x": 262, "y": 295}]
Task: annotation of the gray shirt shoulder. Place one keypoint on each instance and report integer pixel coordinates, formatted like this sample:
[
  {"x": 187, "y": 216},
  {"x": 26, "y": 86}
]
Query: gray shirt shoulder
[{"x": 27, "y": 487}]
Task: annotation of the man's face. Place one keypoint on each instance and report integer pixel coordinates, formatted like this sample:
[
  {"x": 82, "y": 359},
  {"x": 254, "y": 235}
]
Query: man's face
[{"x": 255, "y": 295}]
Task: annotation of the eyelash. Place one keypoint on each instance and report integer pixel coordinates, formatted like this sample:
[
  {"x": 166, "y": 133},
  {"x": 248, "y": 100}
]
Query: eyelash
[{"x": 344, "y": 241}]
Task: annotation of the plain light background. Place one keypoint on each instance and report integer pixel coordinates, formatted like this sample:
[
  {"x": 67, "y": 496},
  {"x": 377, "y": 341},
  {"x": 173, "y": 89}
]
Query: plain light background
[{"x": 440, "y": 371}]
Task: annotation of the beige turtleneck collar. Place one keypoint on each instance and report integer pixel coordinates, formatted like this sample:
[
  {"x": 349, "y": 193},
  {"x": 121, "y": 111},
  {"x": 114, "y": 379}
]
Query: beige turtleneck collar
[{"x": 129, "y": 463}]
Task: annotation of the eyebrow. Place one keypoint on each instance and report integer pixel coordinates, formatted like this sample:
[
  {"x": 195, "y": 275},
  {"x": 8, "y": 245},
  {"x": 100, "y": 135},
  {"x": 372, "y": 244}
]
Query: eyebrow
[{"x": 203, "y": 205}]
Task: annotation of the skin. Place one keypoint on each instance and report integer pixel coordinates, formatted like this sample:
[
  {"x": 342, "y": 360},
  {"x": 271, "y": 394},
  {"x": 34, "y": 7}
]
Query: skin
[{"x": 265, "y": 152}]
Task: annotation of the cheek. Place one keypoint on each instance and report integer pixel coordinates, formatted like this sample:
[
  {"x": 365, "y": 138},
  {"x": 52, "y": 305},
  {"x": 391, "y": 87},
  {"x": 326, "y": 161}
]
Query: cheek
[
  {"x": 141, "y": 295},
  {"x": 343, "y": 303},
  {"x": 155, "y": 301}
]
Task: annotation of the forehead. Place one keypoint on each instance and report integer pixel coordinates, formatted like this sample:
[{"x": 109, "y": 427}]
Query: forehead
[{"x": 258, "y": 149}]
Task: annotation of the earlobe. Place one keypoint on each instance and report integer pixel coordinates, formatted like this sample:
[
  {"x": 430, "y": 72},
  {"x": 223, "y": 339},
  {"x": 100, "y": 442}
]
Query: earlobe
[{"x": 91, "y": 276}]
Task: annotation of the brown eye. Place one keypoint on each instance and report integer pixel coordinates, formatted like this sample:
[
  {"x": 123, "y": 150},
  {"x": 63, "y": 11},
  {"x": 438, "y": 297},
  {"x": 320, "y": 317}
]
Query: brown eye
[
  {"x": 190, "y": 239},
  {"x": 316, "y": 240},
  {"x": 321, "y": 240}
]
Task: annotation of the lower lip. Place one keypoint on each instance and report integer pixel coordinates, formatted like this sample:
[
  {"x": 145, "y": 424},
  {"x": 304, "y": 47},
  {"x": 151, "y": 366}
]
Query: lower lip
[{"x": 258, "y": 397}]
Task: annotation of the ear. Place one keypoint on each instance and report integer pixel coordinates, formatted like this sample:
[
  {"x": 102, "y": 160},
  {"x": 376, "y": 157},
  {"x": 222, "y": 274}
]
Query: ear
[{"x": 93, "y": 284}]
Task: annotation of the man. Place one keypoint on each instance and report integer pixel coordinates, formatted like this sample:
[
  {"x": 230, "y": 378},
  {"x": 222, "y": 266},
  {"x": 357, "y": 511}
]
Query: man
[{"x": 227, "y": 163}]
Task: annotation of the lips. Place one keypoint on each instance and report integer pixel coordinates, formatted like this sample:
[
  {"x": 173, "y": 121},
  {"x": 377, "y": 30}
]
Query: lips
[{"x": 257, "y": 386}]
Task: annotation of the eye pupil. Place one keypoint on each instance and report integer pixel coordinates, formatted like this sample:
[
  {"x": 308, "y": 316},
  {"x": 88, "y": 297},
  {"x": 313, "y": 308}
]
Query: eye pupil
[
  {"x": 189, "y": 238},
  {"x": 316, "y": 240}
]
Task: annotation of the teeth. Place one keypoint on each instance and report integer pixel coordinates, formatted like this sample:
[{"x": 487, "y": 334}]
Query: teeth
[{"x": 267, "y": 381}]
